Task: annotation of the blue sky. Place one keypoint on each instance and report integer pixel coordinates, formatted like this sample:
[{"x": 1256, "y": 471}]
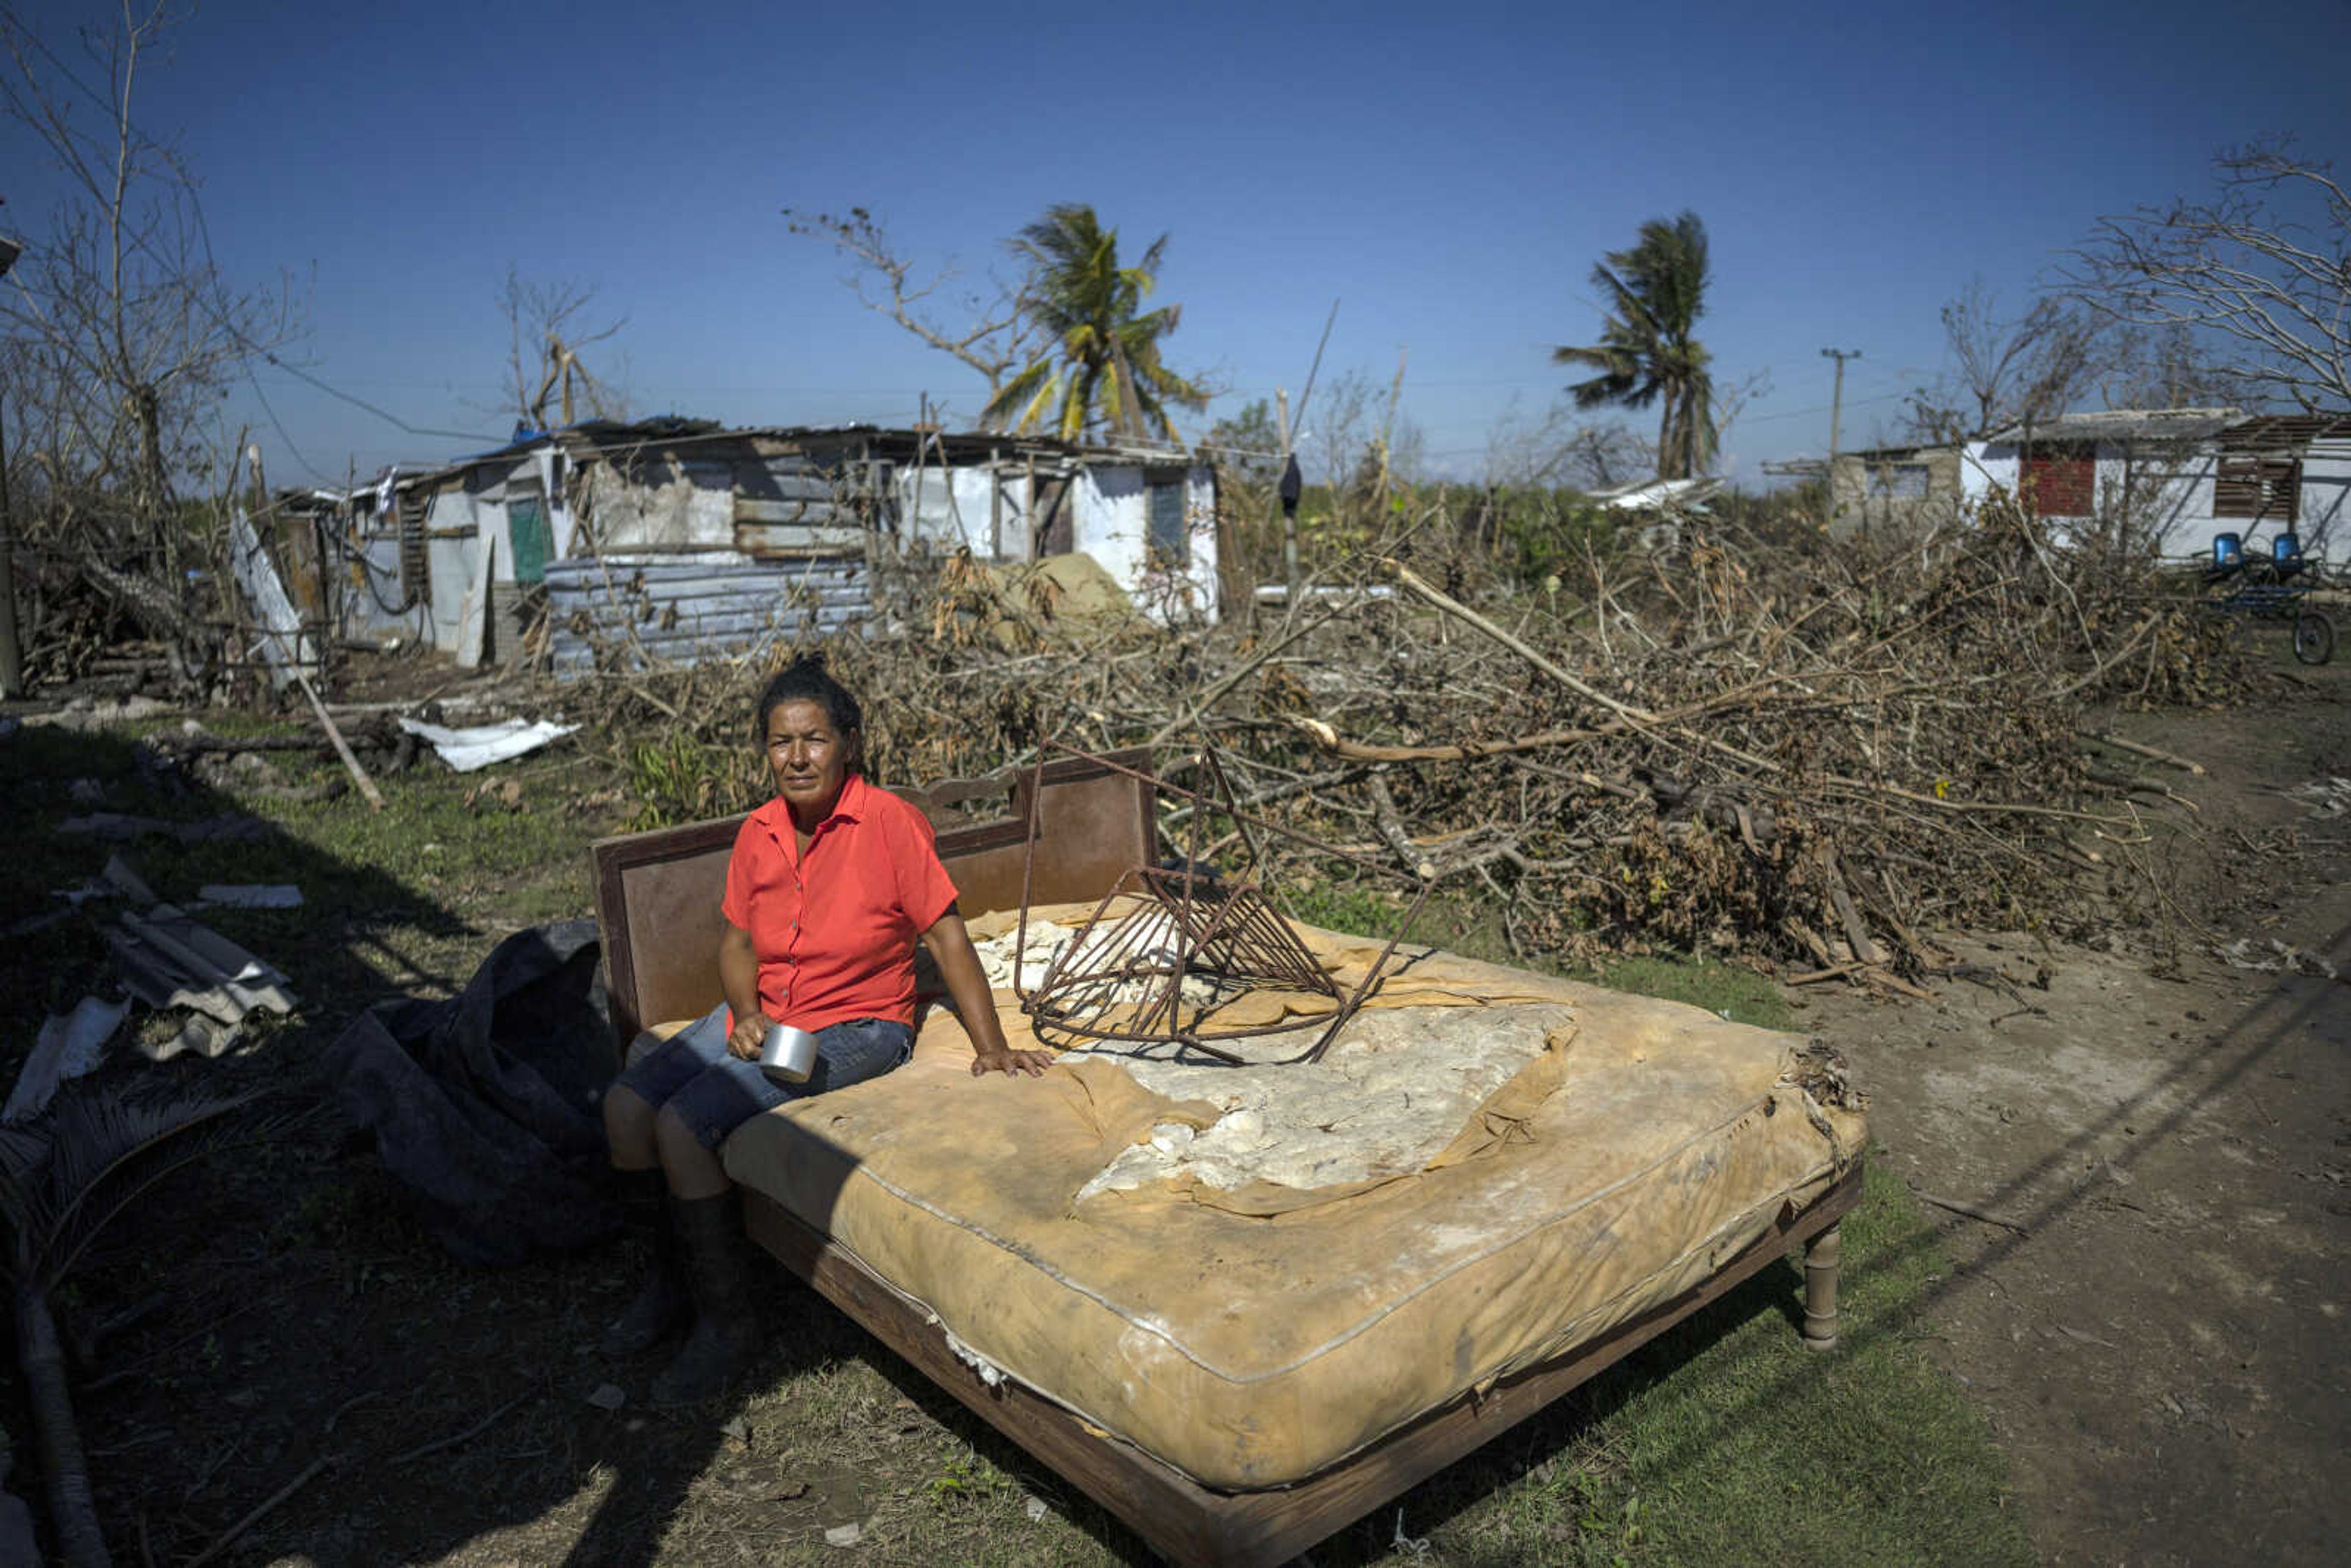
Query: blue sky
[{"x": 1449, "y": 173}]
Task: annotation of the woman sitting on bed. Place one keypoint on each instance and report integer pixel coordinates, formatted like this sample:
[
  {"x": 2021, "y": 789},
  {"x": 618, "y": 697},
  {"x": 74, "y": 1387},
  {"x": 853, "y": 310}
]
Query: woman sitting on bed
[{"x": 831, "y": 884}]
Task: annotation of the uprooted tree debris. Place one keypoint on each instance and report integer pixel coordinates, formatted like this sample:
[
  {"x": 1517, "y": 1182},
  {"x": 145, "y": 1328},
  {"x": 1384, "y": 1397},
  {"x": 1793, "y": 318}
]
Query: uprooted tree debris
[{"x": 1805, "y": 758}]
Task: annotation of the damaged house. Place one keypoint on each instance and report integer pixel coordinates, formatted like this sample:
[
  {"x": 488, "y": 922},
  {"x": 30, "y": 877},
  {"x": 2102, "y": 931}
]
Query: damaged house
[
  {"x": 1893, "y": 491},
  {"x": 2183, "y": 476},
  {"x": 667, "y": 539}
]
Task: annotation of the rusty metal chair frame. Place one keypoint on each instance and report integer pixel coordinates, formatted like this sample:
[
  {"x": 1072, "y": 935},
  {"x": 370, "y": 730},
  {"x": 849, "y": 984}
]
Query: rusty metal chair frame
[{"x": 1229, "y": 932}]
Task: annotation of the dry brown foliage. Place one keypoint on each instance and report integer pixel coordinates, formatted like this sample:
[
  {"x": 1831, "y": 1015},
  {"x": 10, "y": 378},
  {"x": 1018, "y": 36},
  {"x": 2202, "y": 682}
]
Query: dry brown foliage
[{"x": 1806, "y": 756}]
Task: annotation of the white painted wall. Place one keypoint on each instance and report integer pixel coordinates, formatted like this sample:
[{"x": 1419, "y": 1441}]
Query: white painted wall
[
  {"x": 950, "y": 509},
  {"x": 947, "y": 509},
  {"x": 1111, "y": 521},
  {"x": 2180, "y": 486},
  {"x": 452, "y": 519},
  {"x": 1200, "y": 523},
  {"x": 2323, "y": 518}
]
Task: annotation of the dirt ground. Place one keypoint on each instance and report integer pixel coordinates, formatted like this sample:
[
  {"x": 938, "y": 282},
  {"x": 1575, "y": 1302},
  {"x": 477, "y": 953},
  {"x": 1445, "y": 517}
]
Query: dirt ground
[{"x": 2153, "y": 1309}]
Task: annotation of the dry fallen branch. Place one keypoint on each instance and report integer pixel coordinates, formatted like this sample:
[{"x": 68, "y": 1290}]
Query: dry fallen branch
[{"x": 1970, "y": 1211}]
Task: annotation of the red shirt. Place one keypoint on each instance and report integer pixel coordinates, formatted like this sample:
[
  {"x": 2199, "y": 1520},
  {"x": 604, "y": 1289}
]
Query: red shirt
[{"x": 835, "y": 929}]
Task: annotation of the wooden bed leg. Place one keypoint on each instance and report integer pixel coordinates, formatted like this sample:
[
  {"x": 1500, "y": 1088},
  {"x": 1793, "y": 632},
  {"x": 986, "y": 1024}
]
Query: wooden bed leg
[{"x": 1821, "y": 1254}]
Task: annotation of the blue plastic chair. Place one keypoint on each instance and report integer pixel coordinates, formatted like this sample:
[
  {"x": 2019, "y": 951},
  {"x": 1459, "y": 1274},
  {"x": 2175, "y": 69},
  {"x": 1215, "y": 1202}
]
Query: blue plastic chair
[{"x": 2227, "y": 555}]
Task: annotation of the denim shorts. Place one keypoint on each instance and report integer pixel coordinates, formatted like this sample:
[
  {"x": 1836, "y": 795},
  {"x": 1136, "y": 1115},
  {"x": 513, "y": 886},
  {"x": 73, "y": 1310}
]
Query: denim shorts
[{"x": 714, "y": 1091}]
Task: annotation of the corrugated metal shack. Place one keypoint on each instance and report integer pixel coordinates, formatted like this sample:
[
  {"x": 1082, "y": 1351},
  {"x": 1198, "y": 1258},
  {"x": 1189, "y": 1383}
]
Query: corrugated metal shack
[{"x": 664, "y": 541}]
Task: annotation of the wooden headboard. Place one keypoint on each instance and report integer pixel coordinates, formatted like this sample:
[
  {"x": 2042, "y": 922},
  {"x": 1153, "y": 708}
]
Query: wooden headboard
[{"x": 657, "y": 894}]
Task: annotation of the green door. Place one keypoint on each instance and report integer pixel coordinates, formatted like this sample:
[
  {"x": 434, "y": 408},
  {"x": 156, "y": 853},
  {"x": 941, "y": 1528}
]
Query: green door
[{"x": 532, "y": 540}]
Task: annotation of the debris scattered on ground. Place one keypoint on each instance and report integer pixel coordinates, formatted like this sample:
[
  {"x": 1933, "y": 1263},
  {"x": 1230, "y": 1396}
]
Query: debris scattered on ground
[
  {"x": 251, "y": 895},
  {"x": 170, "y": 960},
  {"x": 845, "y": 1535},
  {"x": 119, "y": 875},
  {"x": 479, "y": 745},
  {"x": 2324, "y": 796},
  {"x": 608, "y": 1397},
  {"x": 2274, "y": 957},
  {"x": 86, "y": 714},
  {"x": 69, "y": 1045},
  {"x": 505, "y": 793},
  {"x": 234, "y": 826}
]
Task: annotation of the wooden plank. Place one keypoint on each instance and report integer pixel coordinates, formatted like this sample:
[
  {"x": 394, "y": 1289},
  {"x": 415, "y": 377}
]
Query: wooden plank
[
  {"x": 1195, "y": 1525},
  {"x": 617, "y": 862},
  {"x": 712, "y": 565},
  {"x": 687, "y": 629},
  {"x": 795, "y": 504},
  {"x": 725, "y": 599},
  {"x": 766, "y": 540}
]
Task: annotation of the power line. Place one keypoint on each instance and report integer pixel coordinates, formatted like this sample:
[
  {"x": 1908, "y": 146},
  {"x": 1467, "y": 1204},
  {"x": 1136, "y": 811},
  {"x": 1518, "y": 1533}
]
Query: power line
[{"x": 1822, "y": 408}]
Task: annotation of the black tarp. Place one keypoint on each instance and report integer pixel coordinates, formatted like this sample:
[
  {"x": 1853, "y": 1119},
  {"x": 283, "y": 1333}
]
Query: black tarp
[{"x": 486, "y": 1106}]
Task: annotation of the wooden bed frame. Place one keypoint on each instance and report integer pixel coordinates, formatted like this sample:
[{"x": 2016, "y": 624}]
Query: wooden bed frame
[{"x": 657, "y": 897}]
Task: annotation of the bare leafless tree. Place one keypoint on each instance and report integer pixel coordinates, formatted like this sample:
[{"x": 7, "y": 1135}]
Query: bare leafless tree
[
  {"x": 545, "y": 329},
  {"x": 990, "y": 329},
  {"x": 2263, "y": 266},
  {"x": 123, "y": 335},
  {"x": 2162, "y": 367},
  {"x": 2004, "y": 369},
  {"x": 1733, "y": 399},
  {"x": 1561, "y": 447}
]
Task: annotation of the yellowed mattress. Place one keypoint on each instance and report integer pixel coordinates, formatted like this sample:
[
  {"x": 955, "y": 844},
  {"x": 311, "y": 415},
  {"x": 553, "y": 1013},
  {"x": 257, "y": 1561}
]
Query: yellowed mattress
[{"x": 1251, "y": 1334}]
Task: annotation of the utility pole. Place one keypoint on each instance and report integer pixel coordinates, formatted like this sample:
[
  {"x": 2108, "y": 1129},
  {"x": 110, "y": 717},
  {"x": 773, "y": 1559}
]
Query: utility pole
[
  {"x": 1836, "y": 417},
  {"x": 1836, "y": 402}
]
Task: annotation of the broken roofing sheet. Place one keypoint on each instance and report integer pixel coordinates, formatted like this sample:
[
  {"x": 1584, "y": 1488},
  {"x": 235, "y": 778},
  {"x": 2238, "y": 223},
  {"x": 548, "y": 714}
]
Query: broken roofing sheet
[
  {"x": 169, "y": 959},
  {"x": 479, "y": 745},
  {"x": 165, "y": 958},
  {"x": 70, "y": 1045}
]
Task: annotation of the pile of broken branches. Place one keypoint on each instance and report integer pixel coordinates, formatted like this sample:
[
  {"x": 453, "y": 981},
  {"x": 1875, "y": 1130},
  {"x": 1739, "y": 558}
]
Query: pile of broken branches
[{"x": 1806, "y": 757}]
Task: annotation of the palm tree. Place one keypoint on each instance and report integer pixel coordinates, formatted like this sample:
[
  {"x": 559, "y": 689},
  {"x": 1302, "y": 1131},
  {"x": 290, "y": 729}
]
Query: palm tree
[
  {"x": 1098, "y": 367},
  {"x": 1655, "y": 293}
]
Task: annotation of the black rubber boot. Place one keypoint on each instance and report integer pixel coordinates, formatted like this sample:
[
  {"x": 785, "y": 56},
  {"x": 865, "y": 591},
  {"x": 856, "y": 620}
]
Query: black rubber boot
[
  {"x": 725, "y": 1330},
  {"x": 660, "y": 1303}
]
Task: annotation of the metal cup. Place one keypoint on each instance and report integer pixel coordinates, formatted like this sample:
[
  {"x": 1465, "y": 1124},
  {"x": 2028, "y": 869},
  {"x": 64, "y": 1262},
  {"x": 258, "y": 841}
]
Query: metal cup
[{"x": 788, "y": 1055}]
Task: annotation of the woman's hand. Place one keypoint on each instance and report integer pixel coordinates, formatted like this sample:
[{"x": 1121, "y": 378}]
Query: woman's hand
[
  {"x": 738, "y": 979},
  {"x": 749, "y": 1031},
  {"x": 950, "y": 944},
  {"x": 1010, "y": 1063}
]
